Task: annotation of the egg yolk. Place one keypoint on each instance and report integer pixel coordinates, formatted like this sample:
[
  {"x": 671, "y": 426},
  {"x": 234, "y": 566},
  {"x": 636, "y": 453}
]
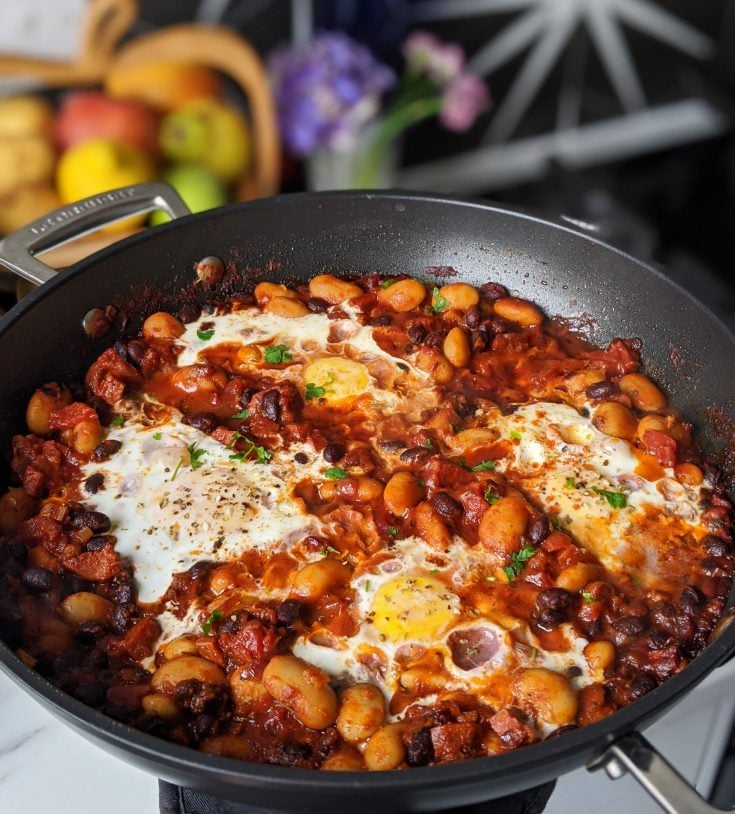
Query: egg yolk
[
  {"x": 418, "y": 607},
  {"x": 340, "y": 378}
]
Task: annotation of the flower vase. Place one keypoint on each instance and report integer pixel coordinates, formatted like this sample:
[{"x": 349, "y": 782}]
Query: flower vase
[{"x": 346, "y": 168}]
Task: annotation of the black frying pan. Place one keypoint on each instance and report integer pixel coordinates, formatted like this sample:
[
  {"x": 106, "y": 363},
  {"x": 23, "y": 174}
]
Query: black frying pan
[{"x": 568, "y": 273}]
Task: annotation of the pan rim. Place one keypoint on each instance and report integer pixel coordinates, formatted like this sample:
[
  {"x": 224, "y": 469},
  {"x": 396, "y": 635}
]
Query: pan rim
[{"x": 528, "y": 760}]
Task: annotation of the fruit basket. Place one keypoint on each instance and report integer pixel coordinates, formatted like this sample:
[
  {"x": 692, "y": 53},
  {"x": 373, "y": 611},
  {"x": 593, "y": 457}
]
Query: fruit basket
[{"x": 187, "y": 103}]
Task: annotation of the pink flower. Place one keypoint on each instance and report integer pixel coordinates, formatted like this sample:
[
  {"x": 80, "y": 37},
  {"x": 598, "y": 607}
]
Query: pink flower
[
  {"x": 465, "y": 98},
  {"x": 425, "y": 53}
]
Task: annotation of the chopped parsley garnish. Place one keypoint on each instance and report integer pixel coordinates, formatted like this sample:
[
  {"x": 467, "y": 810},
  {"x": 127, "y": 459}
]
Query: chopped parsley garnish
[
  {"x": 387, "y": 283},
  {"x": 118, "y": 421},
  {"x": 556, "y": 521},
  {"x": 367, "y": 584},
  {"x": 330, "y": 549},
  {"x": 205, "y": 335},
  {"x": 515, "y": 435},
  {"x": 157, "y": 436},
  {"x": 393, "y": 531},
  {"x": 490, "y": 496},
  {"x": 212, "y": 619},
  {"x": 314, "y": 391},
  {"x": 176, "y": 471},
  {"x": 335, "y": 473},
  {"x": 261, "y": 453},
  {"x": 518, "y": 560},
  {"x": 241, "y": 414},
  {"x": 196, "y": 456},
  {"x": 616, "y": 499},
  {"x": 588, "y": 597},
  {"x": 485, "y": 466},
  {"x": 276, "y": 354},
  {"x": 428, "y": 443},
  {"x": 571, "y": 483},
  {"x": 438, "y": 303}
]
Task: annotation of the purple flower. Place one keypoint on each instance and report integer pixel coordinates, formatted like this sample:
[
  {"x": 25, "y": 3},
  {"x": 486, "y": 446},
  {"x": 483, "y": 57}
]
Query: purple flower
[
  {"x": 326, "y": 92},
  {"x": 464, "y": 99},
  {"x": 426, "y": 54}
]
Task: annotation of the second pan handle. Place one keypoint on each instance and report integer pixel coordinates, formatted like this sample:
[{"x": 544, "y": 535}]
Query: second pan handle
[{"x": 18, "y": 250}]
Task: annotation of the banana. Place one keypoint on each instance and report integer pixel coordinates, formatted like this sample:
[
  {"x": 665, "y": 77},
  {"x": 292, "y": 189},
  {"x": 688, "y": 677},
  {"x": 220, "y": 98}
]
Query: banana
[
  {"x": 210, "y": 133},
  {"x": 22, "y": 116},
  {"x": 27, "y": 160}
]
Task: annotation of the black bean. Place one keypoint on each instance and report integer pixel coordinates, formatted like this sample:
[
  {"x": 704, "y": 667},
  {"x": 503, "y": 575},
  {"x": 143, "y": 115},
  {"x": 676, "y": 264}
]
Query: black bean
[
  {"x": 640, "y": 685},
  {"x": 271, "y": 404},
  {"x": 122, "y": 593},
  {"x": 493, "y": 291},
  {"x": 573, "y": 671},
  {"x": 602, "y": 390},
  {"x": 289, "y": 612},
  {"x": 97, "y": 543},
  {"x": 95, "y": 521},
  {"x": 121, "y": 619},
  {"x": 715, "y": 546},
  {"x": 38, "y": 580},
  {"x": 246, "y": 396},
  {"x": 392, "y": 444},
  {"x": 92, "y": 692},
  {"x": 629, "y": 625},
  {"x": 317, "y": 305},
  {"x": 189, "y": 313},
  {"x": 232, "y": 624},
  {"x": 88, "y": 632},
  {"x": 498, "y": 325},
  {"x": 301, "y": 458},
  {"x": 204, "y": 422},
  {"x": 480, "y": 339},
  {"x": 416, "y": 333},
  {"x": 472, "y": 317},
  {"x": 381, "y": 321},
  {"x": 550, "y": 618},
  {"x": 691, "y": 598},
  {"x": 557, "y": 599},
  {"x": 419, "y": 747},
  {"x": 592, "y": 629},
  {"x": 94, "y": 483},
  {"x": 333, "y": 452},
  {"x": 463, "y": 406},
  {"x": 657, "y": 638},
  {"x": 106, "y": 449},
  {"x": 446, "y": 506},
  {"x": 136, "y": 350},
  {"x": 539, "y": 530},
  {"x": 291, "y": 754},
  {"x": 200, "y": 570},
  {"x": 414, "y": 455},
  {"x": 435, "y": 338}
]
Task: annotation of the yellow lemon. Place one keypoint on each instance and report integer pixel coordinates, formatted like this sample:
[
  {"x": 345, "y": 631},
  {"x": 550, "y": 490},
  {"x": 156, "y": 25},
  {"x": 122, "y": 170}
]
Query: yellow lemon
[{"x": 99, "y": 165}]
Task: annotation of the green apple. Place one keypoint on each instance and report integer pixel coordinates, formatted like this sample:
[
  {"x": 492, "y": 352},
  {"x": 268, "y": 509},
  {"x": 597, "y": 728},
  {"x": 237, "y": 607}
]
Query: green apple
[{"x": 197, "y": 185}]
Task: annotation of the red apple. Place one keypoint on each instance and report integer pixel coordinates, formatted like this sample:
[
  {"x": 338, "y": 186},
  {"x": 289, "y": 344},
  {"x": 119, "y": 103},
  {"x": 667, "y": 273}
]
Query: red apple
[{"x": 88, "y": 114}]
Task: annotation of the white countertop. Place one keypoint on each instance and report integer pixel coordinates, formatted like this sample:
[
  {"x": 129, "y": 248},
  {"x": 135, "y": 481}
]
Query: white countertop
[{"x": 46, "y": 768}]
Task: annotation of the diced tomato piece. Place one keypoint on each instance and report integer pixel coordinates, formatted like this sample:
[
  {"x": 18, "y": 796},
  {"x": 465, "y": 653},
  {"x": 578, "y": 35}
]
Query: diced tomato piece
[
  {"x": 69, "y": 416},
  {"x": 661, "y": 446}
]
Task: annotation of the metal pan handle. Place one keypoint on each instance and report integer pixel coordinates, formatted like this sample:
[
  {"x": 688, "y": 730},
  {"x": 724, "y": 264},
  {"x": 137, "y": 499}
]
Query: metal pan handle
[
  {"x": 18, "y": 250},
  {"x": 635, "y": 754}
]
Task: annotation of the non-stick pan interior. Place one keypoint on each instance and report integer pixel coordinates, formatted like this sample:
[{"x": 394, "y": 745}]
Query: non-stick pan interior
[{"x": 605, "y": 292}]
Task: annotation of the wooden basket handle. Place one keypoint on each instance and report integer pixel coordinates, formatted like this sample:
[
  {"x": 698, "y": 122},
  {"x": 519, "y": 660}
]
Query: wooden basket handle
[
  {"x": 223, "y": 50},
  {"x": 106, "y": 23}
]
